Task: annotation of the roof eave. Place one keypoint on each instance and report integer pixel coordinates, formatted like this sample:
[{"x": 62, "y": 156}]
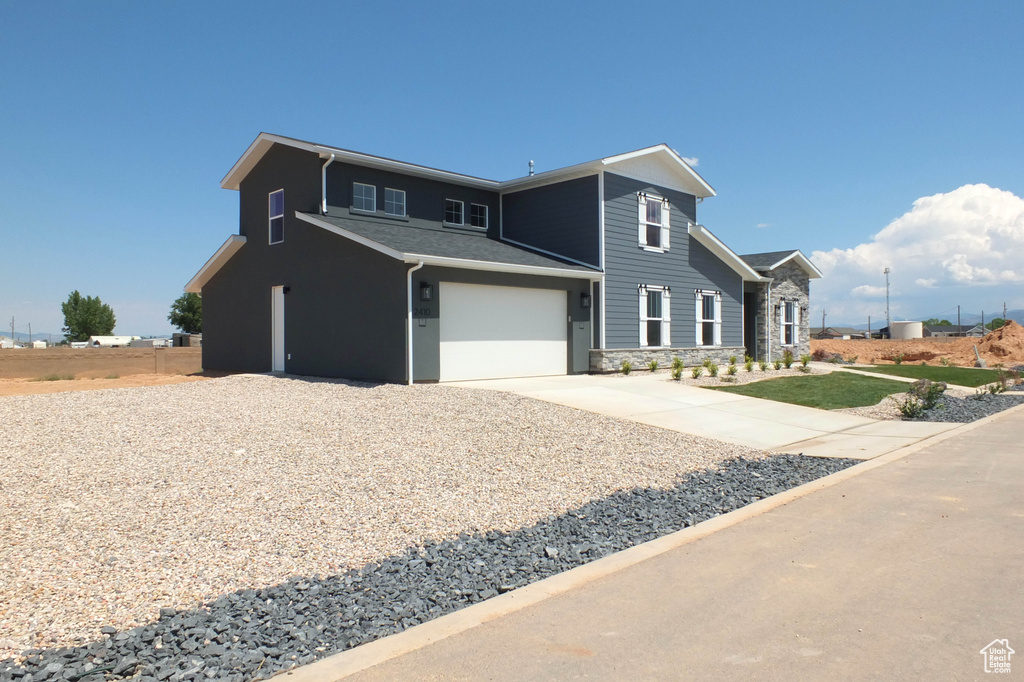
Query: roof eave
[
  {"x": 228, "y": 249},
  {"x": 812, "y": 271},
  {"x": 727, "y": 255}
]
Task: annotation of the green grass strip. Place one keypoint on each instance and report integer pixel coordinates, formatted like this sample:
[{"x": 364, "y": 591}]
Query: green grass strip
[
  {"x": 824, "y": 391},
  {"x": 961, "y": 376}
]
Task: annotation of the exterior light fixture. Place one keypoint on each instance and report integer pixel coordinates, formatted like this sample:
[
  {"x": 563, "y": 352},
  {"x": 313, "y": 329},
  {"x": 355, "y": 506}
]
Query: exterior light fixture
[
  {"x": 426, "y": 291},
  {"x": 584, "y": 300}
]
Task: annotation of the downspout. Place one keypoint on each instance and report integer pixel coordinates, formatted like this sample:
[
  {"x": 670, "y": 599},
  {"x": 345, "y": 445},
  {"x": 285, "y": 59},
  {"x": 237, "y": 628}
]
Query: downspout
[
  {"x": 323, "y": 185},
  {"x": 408, "y": 283}
]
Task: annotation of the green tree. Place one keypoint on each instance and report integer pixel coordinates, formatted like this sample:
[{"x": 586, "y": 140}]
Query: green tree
[
  {"x": 932, "y": 322},
  {"x": 86, "y": 316},
  {"x": 187, "y": 313},
  {"x": 995, "y": 324}
]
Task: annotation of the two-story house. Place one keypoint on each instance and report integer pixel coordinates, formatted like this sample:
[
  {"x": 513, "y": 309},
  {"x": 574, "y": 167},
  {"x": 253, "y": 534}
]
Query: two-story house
[{"x": 357, "y": 266}]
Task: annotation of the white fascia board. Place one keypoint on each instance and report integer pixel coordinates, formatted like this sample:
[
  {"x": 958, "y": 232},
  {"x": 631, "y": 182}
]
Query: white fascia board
[
  {"x": 216, "y": 262},
  {"x": 490, "y": 266},
  {"x": 580, "y": 170},
  {"x": 717, "y": 247},
  {"x": 264, "y": 141},
  {"x": 803, "y": 261},
  {"x": 664, "y": 150},
  {"x": 357, "y": 238}
]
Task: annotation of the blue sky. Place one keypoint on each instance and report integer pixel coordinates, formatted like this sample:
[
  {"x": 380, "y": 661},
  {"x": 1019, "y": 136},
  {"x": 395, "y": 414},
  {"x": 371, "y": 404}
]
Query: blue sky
[{"x": 819, "y": 124}]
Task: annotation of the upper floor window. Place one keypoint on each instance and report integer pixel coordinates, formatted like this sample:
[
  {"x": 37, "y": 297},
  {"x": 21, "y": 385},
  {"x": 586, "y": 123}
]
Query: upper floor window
[
  {"x": 394, "y": 202},
  {"x": 478, "y": 215},
  {"x": 790, "y": 320},
  {"x": 655, "y": 316},
  {"x": 709, "y": 317},
  {"x": 653, "y": 222},
  {"x": 364, "y": 197},
  {"x": 453, "y": 212},
  {"x": 276, "y": 203}
]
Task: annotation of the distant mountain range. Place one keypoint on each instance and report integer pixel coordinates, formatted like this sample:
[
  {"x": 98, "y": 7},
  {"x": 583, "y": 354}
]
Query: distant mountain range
[{"x": 966, "y": 319}]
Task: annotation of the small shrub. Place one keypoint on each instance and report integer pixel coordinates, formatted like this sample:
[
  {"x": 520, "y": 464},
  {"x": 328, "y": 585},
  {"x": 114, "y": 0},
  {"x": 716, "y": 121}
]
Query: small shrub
[
  {"x": 835, "y": 358},
  {"x": 763, "y": 365},
  {"x": 627, "y": 367},
  {"x": 748, "y": 363},
  {"x": 805, "y": 369},
  {"x": 729, "y": 380},
  {"x": 113, "y": 376},
  {"x": 1008, "y": 377},
  {"x": 927, "y": 392},
  {"x": 696, "y": 372},
  {"x": 713, "y": 369},
  {"x": 677, "y": 363},
  {"x": 980, "y": 393},
  {"x": 821, "y": 355},
  {"x": 707, "y": 363},
  {"x": 805, "y": 359},
  {"x": 777, "y": 364},
  {"x": 897, "y": 359},
  {"x": 56, "y": 377},
  {"x": 787, "y": 359},
  {"x": 653, "y": 366},
  {"x": 996, "y": 388},
  {"x": 924, "y": 364},
  {"x": 911, "y": 407},
  {"x": 944, "y": 361},
  {"x": 732, "y": 359},
  {"x": 852, "y": 360},
  {"x": 677, "y": 373},
  {"x": 731, "y": 370}
]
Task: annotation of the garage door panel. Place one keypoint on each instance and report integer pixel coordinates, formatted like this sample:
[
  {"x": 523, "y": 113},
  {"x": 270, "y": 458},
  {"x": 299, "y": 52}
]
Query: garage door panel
[{"x": 491, "y": 331}]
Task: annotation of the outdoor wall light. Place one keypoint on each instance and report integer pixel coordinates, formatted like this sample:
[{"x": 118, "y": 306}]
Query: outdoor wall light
[
  {"x": 584, "y": 301},
  {"x": 426, "y": 291},
  {"x": 286, "y": 290}
]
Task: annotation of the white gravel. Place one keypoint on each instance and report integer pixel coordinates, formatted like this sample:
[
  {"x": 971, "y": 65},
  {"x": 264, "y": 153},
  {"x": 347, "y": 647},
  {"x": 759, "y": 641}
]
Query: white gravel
[{"x": 115, "y": 503}]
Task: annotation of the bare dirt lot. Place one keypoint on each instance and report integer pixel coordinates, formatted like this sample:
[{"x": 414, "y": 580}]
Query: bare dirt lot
[
  {"x": 36, "y": 387},
  {"x": 1004, "y": 346}
]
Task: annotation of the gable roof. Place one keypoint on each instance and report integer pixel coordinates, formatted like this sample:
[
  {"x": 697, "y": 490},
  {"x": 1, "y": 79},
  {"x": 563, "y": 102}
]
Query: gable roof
[
  {"x": 445, "y": 247},
  {"x": 724, "y": 253},
  {"x": 659, "y": 163},
  {"x": 765, "y": 262}
]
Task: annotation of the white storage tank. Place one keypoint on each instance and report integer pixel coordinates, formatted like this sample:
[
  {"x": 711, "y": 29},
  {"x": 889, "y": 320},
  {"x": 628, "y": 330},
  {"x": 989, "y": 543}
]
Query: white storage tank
[{"x": 907, "y": 330}]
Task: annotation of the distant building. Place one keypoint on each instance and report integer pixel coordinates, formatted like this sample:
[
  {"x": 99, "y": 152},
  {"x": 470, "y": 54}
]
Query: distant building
[
  {"x": 186, "y": 340},
  {"x": 941, "y": 330},
  {"x": 111, "y": 341},
  {"x": 150, "y": 343},
  {"x": 845, "y": 333}
]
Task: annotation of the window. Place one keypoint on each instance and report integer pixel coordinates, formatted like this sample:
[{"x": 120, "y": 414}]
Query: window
[
  {"x": 709, "y": 318},
  {"x": 364, "y": 197},
  {"x": 653, "y": 222},
  {"x": 655, "y": 317},
  {"x": 394, "y": 202},
  {"x": 478, "y": 215},
  {"x": 453, "y": 212},
  {"x": 276, "y": 204},
  {"x": 790, "y": 318}
]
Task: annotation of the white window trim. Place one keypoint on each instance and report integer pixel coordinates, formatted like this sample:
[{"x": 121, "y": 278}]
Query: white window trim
[
  {"x": 364, "y": 210},
  {"x": 795, "y": 322},
  {"x": 487, "y": 216},
  {"x": 462, "y": 213},
  {"x": 405, "y": 206},
  {"x": 642, "y": 224},
  {"x": 698, "y": 300},
  {"x": 270, "y": 218},
  {"x": 666, "y": 315}
]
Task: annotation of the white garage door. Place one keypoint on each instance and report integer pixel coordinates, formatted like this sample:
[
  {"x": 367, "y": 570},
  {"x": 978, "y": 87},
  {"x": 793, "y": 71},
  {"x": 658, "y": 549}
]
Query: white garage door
[{"x": 491, "y": 332}]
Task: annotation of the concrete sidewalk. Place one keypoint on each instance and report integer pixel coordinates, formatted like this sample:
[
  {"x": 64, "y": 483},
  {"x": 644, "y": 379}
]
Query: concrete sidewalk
[
  {"x": 904, "y": 571},
  {"x": 765, "y": 424}
]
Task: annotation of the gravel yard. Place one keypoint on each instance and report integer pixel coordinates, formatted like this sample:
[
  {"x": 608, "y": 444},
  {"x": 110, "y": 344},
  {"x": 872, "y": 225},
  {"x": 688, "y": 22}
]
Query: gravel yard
[{"x": 114, "y": 504}]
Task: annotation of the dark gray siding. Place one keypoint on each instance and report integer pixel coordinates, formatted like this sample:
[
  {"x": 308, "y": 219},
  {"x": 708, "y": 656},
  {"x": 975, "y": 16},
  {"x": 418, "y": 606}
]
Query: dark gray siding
[
  {"x": 686, "y": 267},
  {"x": 345, "y": 309},
  {"x": 427, "y": 328},
  {"x": 562, "y": 219},
  {"x": 424, "y": 198}
]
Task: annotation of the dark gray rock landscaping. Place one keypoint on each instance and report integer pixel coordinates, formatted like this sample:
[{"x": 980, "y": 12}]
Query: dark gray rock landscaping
[
  {"x": 255, "y": 633},
  {"x": 964, "y": 410}
]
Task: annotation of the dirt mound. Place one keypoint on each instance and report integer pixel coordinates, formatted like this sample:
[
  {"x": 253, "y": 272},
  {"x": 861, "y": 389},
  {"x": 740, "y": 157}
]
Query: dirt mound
[
  {"x": 1003, "y": 346},
  {"x": 1005, "y": 342}
]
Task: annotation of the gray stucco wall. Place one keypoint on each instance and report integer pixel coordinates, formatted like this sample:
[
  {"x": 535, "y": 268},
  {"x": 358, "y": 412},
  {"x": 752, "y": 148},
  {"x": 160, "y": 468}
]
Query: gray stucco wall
[
  {"x": 426, "y": 315},
  {"x": 686, "y": 267},
  {"x": 345, "y": 309},
  {"x": 562, "y": 218}
]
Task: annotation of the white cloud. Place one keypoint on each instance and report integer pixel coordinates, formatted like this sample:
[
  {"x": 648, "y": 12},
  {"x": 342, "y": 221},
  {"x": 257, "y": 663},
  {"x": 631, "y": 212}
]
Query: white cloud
[
  {"x": 970, "y": 237},
  {"x": 691, "y": 161},
  {"x": 762, "y": 225}
]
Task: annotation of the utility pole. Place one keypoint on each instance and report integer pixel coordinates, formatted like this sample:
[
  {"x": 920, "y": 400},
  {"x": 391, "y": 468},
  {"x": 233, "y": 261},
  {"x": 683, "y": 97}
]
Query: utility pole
[
  {"x": 869, "y": 326},
  {"x": 888, "y": 320},
  {"x": 822, "y": 320},
  {"x": 1004, "y": 312},
  {"x": 982, "y": 321}
]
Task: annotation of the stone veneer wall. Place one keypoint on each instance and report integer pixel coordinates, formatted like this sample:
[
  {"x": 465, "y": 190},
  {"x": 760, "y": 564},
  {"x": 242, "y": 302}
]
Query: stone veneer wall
[
  {"x": 611, "y": 360},
  {"x": 791, "y": 284}
]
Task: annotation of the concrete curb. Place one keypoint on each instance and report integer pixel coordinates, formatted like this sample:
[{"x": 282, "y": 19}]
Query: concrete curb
[{"x": 352, "y": 661}]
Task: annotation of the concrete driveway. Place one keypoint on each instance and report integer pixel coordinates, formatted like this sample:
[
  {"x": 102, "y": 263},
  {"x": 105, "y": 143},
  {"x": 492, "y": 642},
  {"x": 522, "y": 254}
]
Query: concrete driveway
[{"x": 656, "y": 400}]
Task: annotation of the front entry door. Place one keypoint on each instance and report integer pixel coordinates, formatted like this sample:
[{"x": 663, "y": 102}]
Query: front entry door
[
  {"x": 750, "y": 324},
  {"x": 277, "y": 305}
]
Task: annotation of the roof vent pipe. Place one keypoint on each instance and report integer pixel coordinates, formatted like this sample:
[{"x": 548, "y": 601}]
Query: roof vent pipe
[
  {"x": 323, "y": 185},
  {"x": 531, "y": 166}
]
